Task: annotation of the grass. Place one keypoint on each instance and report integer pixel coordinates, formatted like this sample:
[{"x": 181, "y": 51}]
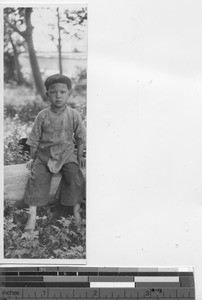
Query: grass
[{"x": 56, "y": 235}]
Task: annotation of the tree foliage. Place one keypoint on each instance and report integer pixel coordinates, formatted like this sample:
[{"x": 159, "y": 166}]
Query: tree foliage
[
  {"x": 13, "y": 46},
  {"x": 18, "y": 37},
  {"x": 19, "y": 21},
  {"x": 72, "y": 23},
  {"x": 76, "y": 18}
]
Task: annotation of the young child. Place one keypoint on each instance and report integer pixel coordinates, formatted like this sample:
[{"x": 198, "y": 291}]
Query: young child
[{"x": 52, "y": 140}]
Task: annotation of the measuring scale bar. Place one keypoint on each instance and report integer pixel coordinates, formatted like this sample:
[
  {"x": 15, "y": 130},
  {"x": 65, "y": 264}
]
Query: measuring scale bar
[{"x": 34, "y": 283}]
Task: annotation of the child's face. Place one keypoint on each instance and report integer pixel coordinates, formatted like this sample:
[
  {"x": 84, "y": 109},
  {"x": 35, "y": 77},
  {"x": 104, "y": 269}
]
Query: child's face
[{"x": 58, "y": 94}]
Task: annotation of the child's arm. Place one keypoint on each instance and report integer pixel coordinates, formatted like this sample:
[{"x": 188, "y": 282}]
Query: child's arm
[
  {"x": 80, "y": 137},
  {"x": 80, "y": 158},
  {"x": 34, "y": 139},
  {"x": 30, "y": 163}
]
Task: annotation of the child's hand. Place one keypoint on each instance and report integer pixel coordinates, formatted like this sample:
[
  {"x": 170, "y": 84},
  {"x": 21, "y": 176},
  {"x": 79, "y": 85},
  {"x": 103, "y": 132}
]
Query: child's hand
[
  {"x": 30, "y": 164},
  {"x": 82, "y": 162}
]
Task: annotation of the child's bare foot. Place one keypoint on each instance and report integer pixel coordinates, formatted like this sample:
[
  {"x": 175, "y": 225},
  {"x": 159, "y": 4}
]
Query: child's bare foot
[{"x": 31, "y": 221}]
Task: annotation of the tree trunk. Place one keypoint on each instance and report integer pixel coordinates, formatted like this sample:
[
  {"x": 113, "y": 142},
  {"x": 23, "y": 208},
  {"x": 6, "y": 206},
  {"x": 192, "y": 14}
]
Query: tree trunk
[
  {"x": 35, "y": 68},
  {"x": 32, "y": 54},
  {"x": 27, "y": 35},
  {"x": 19, "y": 77},
  {"x": 59, "y": 42},
  {"x": 15, "y": 180}
]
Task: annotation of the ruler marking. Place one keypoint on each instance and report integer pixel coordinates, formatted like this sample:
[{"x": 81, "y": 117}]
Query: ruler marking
[{"x": 106, "y": 289}]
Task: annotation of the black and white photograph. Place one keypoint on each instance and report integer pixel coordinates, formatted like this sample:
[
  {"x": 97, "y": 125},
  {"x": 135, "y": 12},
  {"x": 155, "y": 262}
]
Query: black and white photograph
[
  {"x": 101, "y": 132},
  {"x": 45, "y": 85}
]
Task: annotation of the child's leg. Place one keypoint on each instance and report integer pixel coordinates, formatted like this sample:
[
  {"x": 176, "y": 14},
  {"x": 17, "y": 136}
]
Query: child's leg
[
  {"x": 77, "y": 215},
  {"x": 37, "y": 190},
  {"x": 31, "y": 221},
  {"x": 72, "y": 188}
]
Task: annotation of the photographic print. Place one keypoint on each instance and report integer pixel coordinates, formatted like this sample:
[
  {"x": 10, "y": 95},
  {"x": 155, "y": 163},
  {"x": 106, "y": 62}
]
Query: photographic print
[{"x": 45, "y": 82}]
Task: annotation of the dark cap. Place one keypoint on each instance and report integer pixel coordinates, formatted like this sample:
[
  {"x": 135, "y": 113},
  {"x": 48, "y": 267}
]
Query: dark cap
[{"x": 58, "y": 78}]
